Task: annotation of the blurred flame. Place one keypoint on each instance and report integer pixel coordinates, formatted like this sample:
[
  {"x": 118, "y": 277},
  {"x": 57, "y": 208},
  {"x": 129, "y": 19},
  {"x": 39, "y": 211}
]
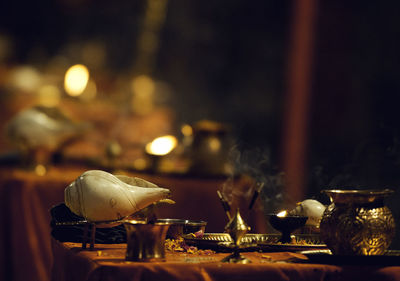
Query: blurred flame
[
  {"x": 187, "y": 130},
  {"x": 282, "y": 214},
  {"x": 143, "y": 85},
  {"x": 139, "y": 164},
  {"x": 76, "y": 79},
  {"x": 40, "y": 170},
  {"x": 162, "y": 145},
  {"x": 214, "y": 144}
]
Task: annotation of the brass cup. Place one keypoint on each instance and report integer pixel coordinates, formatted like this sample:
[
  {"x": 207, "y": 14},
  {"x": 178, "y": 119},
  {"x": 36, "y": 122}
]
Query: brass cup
[{"x": 145, "y": 242}]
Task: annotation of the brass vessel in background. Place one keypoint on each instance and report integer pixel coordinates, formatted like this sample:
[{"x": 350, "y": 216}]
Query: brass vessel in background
[
  {"x": 210, "y": 149},
  {"x": 357, "y": 222}
]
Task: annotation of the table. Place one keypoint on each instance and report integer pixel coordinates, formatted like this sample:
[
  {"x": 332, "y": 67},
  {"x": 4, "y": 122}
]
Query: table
[
  {"x": 25, "y": 201},
  {"x": 26, "y": 198},
  {"x": 107, "y": 263}
]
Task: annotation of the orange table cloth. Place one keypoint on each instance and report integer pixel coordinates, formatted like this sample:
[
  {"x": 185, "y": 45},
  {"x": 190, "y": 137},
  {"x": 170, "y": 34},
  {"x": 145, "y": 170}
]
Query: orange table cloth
[
  {"x": 26, "y": 198},
  {"x": 25, "y": 201},
  {"x": 107, "y": 263}
]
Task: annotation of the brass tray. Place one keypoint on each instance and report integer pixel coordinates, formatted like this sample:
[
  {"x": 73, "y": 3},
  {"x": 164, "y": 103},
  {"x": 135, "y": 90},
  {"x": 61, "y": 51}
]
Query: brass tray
[
  {"x": 256, "y": 242},
  {"x": 100, "y": 224},
  {"x": 390, "y": 258}
]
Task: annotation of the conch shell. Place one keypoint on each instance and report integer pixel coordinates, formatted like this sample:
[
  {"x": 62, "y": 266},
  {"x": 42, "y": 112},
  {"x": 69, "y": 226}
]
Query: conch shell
[
  {"x": 100, "y": 196},
  {"x": 310, "y": 208},
  {"x": 41, "y": 126}
]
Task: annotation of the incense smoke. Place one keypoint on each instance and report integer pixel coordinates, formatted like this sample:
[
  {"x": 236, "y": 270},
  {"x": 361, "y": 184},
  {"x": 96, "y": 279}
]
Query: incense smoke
[{"x": 258, "y": 165}]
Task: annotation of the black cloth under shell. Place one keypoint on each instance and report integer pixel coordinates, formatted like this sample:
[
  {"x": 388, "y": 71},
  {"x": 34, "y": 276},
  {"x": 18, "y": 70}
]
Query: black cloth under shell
[{"x": 74, "y": 233}]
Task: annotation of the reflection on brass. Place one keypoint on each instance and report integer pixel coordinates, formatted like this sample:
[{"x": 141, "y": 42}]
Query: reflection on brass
[
  {"x": 254, "y": 238},
  {"x": 236, "y": 228},
  {"x": 145, "y": 242},
  {"x": 357, "y": 222},
  {"x": 256, "y": 242}
]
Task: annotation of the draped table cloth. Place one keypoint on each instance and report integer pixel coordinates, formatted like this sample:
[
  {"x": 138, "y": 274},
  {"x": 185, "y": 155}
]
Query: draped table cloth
[
  {"x": 26, "y": 199},
  {"x": 107, "y": 263}
]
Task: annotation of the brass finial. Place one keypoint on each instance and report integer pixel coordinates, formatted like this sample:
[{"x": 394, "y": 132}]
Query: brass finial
[{"x": 236, "y": 228}]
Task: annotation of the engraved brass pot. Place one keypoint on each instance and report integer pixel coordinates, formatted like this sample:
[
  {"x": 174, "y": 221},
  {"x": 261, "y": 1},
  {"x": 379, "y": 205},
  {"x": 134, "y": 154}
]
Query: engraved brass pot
[{"x": 357, "y": 222}]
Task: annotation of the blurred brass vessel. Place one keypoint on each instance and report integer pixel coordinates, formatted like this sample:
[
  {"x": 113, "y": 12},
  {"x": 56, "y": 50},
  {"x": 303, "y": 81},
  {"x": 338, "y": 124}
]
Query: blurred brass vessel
[
  {"x": 357, "y": 222},
  {"x": 210, "y": 148}
]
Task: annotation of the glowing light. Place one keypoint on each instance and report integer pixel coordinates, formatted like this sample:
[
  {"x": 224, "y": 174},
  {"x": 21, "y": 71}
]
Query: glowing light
[
  {"x": 143, "y": 85},
  {"x": 26, "y": 78},
  {"x": 40, "y": 170},
  {"x": 140, "y": 164},
  {"x": 162, "y": 145},
  {"x": 143, "y": 88},
  {"x": 214, "y": 144},
  {"x": 76, "y": 80},
  {"x": 282, "y": 214},
  {"x": 187, "y": 130}
]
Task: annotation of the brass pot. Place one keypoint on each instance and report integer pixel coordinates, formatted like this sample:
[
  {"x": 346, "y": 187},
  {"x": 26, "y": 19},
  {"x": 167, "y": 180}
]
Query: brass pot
[{"x": 357, "y": 222}]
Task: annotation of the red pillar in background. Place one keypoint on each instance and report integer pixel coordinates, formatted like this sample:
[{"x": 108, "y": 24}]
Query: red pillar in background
[{"x": 296, "y": 112}]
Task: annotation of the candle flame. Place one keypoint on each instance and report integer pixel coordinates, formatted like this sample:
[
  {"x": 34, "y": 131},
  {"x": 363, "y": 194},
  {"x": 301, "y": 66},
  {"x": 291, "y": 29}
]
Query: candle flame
[
  {"x": 282, "y": 214},
  {"x": 76, "y": 80},
  {"x": 162, "y": 145}
]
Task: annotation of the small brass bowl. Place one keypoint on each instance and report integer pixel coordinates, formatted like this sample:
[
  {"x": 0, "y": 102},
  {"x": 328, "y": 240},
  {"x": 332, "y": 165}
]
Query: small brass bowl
[
  {"x": 286, "y": 225},
  {"x": 179, "y": 227}
]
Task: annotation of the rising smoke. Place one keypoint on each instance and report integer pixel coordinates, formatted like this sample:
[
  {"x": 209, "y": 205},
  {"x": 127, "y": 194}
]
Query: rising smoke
[{"x": 257, "y": 164}]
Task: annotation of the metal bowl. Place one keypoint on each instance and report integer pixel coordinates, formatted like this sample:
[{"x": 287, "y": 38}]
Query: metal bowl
[
  {"x": 179, "y": 227},
  {"x": 286, "y": 225}
]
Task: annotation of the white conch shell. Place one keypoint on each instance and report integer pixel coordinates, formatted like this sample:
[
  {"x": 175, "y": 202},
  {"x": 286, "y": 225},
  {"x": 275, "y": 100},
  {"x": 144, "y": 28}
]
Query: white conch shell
[
  {"x": 40, "y": 126},
  {"x": 100, "y": 196},
  {"x": 310, "y": 208}
]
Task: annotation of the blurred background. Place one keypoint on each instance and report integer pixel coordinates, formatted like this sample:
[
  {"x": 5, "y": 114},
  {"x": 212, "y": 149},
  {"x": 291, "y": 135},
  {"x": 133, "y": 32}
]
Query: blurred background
[{"x": 309, "y": 88}]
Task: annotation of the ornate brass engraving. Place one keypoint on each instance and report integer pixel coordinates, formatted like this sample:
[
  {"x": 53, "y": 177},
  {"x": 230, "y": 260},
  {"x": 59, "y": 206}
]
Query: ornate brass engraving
[{"x": 366, "y": 227}]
